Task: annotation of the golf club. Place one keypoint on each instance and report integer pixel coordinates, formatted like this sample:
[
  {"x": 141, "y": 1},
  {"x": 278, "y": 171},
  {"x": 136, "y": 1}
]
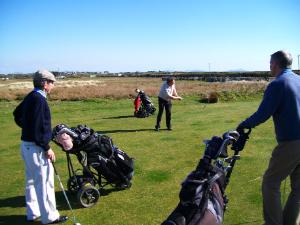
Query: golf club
[{"x": 66, "y": 197}]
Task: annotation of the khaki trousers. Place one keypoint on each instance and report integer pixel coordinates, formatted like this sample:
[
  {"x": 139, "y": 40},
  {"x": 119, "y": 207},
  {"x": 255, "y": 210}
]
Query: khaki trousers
[{"x": 285, "y": 161}]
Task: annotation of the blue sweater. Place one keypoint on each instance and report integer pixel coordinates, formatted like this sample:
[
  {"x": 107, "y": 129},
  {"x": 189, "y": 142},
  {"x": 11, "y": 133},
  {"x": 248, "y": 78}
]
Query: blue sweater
[
  {"x": 33, "y": 115},
  {"x": 281, "y": 101}
]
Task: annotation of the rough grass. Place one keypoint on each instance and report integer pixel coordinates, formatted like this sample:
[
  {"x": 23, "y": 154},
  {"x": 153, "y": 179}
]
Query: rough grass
[
  {"x": 118, "y": 88},
  {"x": 162, "y": 160}
]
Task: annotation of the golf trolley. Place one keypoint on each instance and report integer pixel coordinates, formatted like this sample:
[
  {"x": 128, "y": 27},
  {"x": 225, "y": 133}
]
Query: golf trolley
[
  {"x": 102, "y": 162},
  {"x": 87, "y": 182},
  {"x": 143, "y": 105},
  {"x": 83, "y": 185},
  {"x": 202, "y": 195}
]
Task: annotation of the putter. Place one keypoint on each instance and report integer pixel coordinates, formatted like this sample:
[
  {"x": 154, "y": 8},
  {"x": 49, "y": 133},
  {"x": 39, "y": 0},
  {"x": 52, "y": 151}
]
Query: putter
[{"x": 66, "y": 197}]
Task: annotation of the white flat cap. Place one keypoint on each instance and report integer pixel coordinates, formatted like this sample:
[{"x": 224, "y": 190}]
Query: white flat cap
[{"x": 43, "y": 75}]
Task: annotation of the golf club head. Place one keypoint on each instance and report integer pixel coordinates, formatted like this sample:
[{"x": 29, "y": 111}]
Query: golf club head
[{"x": 231, "y": 135}]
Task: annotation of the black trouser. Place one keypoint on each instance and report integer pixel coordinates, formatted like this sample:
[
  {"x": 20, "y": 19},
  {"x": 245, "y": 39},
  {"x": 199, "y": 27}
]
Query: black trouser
[{"x": 168, "y": 106}]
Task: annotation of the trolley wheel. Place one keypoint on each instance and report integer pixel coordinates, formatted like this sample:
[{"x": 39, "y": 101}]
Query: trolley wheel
[
  {"x": 88, "y": 196},
  {"x": 73, "y": 185}
]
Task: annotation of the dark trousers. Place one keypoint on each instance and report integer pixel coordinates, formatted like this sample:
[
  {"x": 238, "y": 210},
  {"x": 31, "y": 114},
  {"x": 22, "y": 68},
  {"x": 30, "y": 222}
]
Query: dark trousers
[{"x": 168, "y": 106}]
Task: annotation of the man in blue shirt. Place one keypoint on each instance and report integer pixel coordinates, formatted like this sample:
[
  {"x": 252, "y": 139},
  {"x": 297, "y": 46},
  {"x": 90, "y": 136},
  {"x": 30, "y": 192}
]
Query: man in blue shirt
[
  {"x": 281, "y": 101},
  {"x": 33, "y": 116}
]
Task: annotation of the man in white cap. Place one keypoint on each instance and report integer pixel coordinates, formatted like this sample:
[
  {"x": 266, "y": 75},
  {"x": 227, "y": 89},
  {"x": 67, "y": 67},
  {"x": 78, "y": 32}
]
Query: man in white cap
[{"x": 33, "y": 116}]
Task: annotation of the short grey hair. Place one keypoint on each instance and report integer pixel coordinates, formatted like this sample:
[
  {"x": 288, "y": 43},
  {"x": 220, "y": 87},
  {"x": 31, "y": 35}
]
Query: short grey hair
[
  {"x": 169, "y": 79},
  {"x": 283, "y": 58},
  {"x": 39, "y": 83}
]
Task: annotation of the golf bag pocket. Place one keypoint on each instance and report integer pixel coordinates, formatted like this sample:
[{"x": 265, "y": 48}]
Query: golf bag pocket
[
  {"x": 201, "y": 202},
  {"x": 125, "y": 163}
]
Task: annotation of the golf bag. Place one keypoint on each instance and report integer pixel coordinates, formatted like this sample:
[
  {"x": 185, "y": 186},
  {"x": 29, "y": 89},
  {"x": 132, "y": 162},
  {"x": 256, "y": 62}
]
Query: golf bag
[
  {"x": 102, "y": 162},
  {"x": 143, "y": 105},
  {"x": 202, "y": 195}
]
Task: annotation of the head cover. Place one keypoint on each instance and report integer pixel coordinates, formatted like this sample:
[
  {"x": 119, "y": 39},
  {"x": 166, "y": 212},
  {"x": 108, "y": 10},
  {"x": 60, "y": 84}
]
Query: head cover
[
  {"x": 62, "y": 128},
  {"x": 65, "y": 141},
  {"x": 43, "y": 75}
]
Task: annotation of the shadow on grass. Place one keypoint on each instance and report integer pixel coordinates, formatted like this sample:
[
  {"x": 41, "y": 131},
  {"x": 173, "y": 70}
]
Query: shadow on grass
[
  {"x": 16, "y": 219},
  {"x": 105, "y": 192},
  {"x": 19, "y": 202},
  {"x": 61, "y": 202},
  {"x": 119, "y": 117},
  {"x": 13, "y": 202},
  {"x": 125, "y": 131},
  {"x": 250, "y": 222}
]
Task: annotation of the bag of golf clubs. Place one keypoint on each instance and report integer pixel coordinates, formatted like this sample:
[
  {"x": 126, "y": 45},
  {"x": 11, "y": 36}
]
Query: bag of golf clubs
[
  {"x": 143, "y": 105},
  {"x": 202, "y": 195},
  {"x": 102, "y": 162}
]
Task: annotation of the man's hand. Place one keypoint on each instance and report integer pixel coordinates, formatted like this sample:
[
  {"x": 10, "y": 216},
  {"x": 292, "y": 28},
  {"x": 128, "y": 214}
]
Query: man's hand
[
  {"x": 241, "y": 127},
  {"x": 50, "y": 155}
]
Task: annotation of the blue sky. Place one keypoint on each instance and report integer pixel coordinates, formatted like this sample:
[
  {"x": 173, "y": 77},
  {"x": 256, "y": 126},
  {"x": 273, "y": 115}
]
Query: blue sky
[{"x": 143, "y": 35}]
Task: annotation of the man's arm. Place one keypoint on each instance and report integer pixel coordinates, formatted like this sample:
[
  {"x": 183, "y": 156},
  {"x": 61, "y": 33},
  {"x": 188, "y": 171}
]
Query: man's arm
[
  {"x": 174, "y": 91},
  {"x": 270, "y": 103},
  {"x": 42, "y": 128},
  {"x": 175, "y": 95},
  {"x": 18, "y": 114}
]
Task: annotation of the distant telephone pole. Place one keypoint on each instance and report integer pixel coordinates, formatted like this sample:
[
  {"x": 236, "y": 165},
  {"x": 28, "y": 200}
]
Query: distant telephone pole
[
  {"x": 209, "y": 65},
  {"x": 298, "y": 62}
]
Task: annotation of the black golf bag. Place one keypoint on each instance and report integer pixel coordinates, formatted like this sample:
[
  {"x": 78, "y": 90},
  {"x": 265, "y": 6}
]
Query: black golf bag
[
  {"x": 202, "y": 195},
  {"x": 143, "y": 105},
  {"x": 102, "y": 163}
]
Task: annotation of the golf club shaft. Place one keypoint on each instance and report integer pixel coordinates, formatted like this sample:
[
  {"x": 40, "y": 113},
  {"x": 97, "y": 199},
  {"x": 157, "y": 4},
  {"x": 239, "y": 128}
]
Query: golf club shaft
[{"x": 63, "y": 190}]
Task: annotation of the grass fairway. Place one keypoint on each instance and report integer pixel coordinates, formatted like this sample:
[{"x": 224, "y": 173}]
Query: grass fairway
[{"x": 162, "y": 160}]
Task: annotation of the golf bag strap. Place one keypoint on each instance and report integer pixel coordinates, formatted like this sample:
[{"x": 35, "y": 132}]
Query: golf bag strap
[{"x": 213, "y": 179}]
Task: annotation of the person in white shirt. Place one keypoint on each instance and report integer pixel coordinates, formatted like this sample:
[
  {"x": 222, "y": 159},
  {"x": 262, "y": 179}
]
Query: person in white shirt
[{"x": 166, "y": 95}]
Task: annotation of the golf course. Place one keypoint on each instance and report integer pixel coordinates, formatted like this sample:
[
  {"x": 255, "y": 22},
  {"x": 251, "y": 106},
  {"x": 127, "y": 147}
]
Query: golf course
[{"x": 162, "y": 159}]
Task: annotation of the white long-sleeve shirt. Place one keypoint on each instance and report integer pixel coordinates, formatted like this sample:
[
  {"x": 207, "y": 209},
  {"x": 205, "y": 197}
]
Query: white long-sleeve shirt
[{"x": 166, "y": 91}]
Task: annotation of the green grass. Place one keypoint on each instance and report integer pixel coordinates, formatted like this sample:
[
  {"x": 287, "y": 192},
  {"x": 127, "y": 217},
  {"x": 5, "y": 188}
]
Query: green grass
[{"x": 162, "y": 160}]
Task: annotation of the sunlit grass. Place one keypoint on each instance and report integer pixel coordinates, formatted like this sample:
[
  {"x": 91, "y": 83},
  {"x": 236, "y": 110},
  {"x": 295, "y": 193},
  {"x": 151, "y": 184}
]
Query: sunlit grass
[{"x": 162, "y": 159}]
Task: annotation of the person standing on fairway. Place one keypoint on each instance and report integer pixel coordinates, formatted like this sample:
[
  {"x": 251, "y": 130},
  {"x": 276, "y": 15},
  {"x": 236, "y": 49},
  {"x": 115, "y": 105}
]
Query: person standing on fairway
[
  {"x": 281, "y": 101},
  {"x": 33, "y": 116},
  {"x": 167, "y": 93}
]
